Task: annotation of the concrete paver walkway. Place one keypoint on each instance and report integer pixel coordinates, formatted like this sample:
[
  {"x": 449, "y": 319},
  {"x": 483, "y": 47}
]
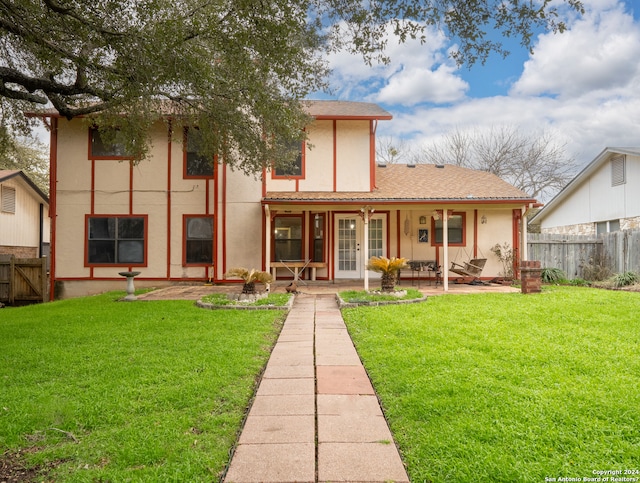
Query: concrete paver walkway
[{"x": 315, "y": 417}]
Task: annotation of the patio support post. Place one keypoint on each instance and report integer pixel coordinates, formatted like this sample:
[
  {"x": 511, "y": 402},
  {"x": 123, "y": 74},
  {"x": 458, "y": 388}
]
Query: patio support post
[
  {"x": 267, "y": 241},
  {"x": 445, "y": 249},
  {"x": 523, "y": 237},
  {"x": 365, "y": 217},
  {"x": 366, "y": 212}
]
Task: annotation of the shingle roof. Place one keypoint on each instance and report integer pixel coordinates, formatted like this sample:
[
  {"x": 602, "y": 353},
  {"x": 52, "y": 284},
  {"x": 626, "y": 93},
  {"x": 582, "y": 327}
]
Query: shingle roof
[
  {"x": 422, "y": 182},
  {"x": 345, "y": 110}
]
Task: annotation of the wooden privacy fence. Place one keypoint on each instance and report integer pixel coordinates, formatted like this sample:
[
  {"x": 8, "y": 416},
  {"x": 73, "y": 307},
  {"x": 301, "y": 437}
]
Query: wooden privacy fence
[
  {"x": 23, "y": 280},
  {"x": 618, "y": 251}
]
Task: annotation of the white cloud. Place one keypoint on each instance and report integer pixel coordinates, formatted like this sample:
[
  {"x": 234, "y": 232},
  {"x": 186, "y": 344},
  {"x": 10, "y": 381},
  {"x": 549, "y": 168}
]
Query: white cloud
[
  {"x": 598, "y": 53},
  {"x": 583, "y": 85},
  {"x": 418, "y": 72},
  {"x": 413, "y": 86}
]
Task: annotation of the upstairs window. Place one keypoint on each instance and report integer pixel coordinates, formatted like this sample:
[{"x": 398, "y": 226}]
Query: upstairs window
[
  {"x": 618, "y": 170},
  {"x": 196, "y": 165},
  {"x": 100, "y": 149},
  {"x": 296, "y": 168},
  {"x": 116, "y": 240}
]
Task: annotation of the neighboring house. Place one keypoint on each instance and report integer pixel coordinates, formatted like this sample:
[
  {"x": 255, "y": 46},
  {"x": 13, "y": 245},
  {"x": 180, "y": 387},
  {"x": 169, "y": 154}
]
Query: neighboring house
[
  {"x": 24, "y": 216},
  {"x": 178, "y": 218},
  {"x": 603, "y": 197}
]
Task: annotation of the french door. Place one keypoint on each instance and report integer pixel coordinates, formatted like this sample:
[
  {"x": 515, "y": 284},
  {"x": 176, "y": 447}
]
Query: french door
[{"x": 349, "y": 250}]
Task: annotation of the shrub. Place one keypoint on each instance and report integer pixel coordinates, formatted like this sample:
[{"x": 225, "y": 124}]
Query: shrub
[
  {"x": 504, "y": 253},
  {"x": 597, "y": 268},
  {"x": 624, "y": 279},
  {"x": 389, "y": 268},
  {"x": 249, "y": 277},
  {"x": 579, "y": 282},
  {"x": 553, "y": 275}
]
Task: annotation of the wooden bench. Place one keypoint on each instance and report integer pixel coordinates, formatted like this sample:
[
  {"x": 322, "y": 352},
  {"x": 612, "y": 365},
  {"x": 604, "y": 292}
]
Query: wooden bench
[{"x": 295, "y": 266}]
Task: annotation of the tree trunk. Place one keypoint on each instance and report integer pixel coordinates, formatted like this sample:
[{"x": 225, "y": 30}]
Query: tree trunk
[
  {"x": 388, "y": 282},
  {"x": 249, "y": 287}
]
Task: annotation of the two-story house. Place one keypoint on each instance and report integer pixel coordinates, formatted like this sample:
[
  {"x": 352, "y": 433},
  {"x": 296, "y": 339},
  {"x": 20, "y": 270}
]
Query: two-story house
[{"x": 178, "y": 218}]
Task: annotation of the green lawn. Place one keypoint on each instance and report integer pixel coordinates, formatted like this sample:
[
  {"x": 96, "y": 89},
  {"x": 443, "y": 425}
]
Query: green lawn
[
  {"x": 115, "y": 391},
  {"x": 508, "y": 387}
]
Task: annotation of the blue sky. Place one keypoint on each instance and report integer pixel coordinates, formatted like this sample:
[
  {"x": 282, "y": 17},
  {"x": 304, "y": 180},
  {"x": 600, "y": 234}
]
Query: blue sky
[{"x": 583, "y": 85}]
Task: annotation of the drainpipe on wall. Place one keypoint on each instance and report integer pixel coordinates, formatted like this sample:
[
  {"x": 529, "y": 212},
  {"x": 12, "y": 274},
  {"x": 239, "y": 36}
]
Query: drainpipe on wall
[{"x": 40, "y": 232}]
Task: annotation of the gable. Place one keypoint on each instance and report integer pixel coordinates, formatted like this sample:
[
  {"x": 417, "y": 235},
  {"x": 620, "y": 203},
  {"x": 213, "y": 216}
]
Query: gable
[{"x": 603, "y": 190}]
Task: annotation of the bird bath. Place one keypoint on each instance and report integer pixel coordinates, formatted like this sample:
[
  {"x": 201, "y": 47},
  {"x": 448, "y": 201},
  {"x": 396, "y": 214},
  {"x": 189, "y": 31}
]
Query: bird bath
[{"x": 130, "y": 288}]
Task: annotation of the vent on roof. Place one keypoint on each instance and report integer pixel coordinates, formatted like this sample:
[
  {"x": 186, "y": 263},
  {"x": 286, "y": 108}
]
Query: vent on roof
[
  {"x": 382, "y": 165},
  {"x": 411, "y": 165},
  {"x": 440, "y": 166}
]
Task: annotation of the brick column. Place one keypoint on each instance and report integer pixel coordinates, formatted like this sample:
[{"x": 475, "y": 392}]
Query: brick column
[{"x": 530, "y": 275}]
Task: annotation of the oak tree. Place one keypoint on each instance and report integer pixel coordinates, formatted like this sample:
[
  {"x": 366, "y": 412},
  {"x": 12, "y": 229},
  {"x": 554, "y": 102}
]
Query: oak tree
[{"x": 237, "y": 69}]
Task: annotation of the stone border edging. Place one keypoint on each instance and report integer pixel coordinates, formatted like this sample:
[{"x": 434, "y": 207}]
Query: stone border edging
[
  {"x": 350, "y": 305},
  {"x": 287, "y": 307}
]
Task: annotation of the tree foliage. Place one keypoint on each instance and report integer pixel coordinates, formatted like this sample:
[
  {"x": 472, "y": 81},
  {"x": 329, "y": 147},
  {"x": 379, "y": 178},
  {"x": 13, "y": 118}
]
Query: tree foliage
[
  {"x": 26, "y": 154},
  {"x": 235, "y": 68},
  {"x": 535, "y": 162}
]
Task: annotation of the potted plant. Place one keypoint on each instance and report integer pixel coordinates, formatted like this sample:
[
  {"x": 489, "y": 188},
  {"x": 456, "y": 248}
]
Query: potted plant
[
  {"x": 249, "y": 277},
  {"x": 389, "y": 268}
]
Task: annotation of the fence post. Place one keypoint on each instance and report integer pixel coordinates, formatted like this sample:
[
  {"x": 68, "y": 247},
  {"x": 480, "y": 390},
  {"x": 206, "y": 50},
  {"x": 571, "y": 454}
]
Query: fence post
[
  {"x": 12, "y": 281},
  {"x": 531, "y": 276}
]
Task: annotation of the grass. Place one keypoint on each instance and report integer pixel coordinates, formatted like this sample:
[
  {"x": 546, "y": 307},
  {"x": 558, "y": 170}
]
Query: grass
[
  {"x": 508, "y": 387},
  {"x": 115, "y": 391}
]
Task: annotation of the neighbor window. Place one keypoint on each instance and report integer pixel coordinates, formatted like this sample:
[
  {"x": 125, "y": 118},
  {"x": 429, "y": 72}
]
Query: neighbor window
[
  {"x": 618, "y": 170},
  {"x": 98, "y": 148},
  {"x": 196, "y": 164},
  {"x": 455, "y": 230},
  {"x": 607, "y": 226},
  {"x": 287, "y": 237},
  {"x": 198, "y": 240},
  {"x": 8, "y": 199},
  {"x": 116, "y": 240},
  {"x": 296, "y": 168}
]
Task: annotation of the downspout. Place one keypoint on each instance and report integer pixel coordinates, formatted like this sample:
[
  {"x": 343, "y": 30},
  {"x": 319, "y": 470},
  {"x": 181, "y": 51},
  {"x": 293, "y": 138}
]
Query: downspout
[
  {"x": 53, "y": 178},
  {"x": 41, "y": 232}
]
